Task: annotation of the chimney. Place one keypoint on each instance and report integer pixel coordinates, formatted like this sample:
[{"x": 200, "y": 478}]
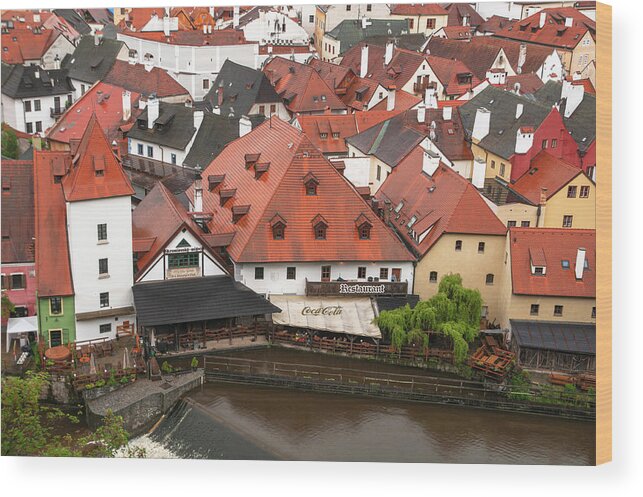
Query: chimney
[
  {"x": 205, "y": 29},
  {"x": 387, "y": 211},
  {"x": 36, "y": 73},
  {"x": 431, "y": 98},
  {"x": 198, "y": 193},
  {"x": 481, "y": 124},
  {"x": 390, "y": 99},
  {"x": 198, "y": 119},
  {"x": 421, "y": 113},
  {"x": 149, "y": 64},
  {"x": 245, "y": 126},
  {"x": 166, "y": 25},
  {"x": 573, "y": 95},
  {"x": 569, "y": 22},
  {"x": 430, "y": 162},
  {"x": 522, "y": 57},
  {"x": 479, "y": 172},
  {"x": 363, "y": 67},
  {"x": 97, "y": 38},
  {"x": 235, "y": 17},
  {"x": 388, "y": 55},
  {"x": 127, "y": 105},
  {"x": 580, "y": 263},
  {"x": 543, "y": 18},
  {"x": 524, "y": 139},
  {"x": 542, "y": 205},
  {"x": 211, "y": 11},
  {"x": 209, "y": 28},
  {"x": 152, "y": 111},
  {"x": 576, "y": 76},
  {"x": 447, "y": 113},
  {"x": 519, "y": 109}
]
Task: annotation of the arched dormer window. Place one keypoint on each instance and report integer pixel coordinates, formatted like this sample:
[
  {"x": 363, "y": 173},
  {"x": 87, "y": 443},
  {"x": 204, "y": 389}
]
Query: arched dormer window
[
  {"x": 278, "y": 225},
  {"x": 320, "y": 226},
  {"x": 311, "y": 183},
  {"x": 363, "y": 227}
]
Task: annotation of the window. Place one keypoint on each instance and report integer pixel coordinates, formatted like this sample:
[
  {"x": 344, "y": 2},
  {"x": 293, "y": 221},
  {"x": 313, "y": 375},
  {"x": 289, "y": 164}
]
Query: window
[
  {"x": 173, "y": 158},
  {"x": 564, "y": 264},
  {"x": 567, "y": 221},
  {"x": 384, "y": 273},
  {"x": 105, "y": 328},
  {"x": 484, "y": 311},
  {"x": 502, "y": 169},
  {"x": 17, "y": 281},
  {"x": 102, "y": 232},
  {"x": 311, "y": 188},
  {"x": 291, "y": 273},
  {"x": 82, "y": 89},
  {"x": 361, "y": 272},
  {"x": 104, "y": 299},
  {"x": 278, "y": 231},
  {"x": 524, "y": 224},
  {"x": 539, "y": 271},
  {"x": 379, "y": 172},
  {"x": 311, "y": 19},
  {"x": 320, "y": 231},
  {"x": 430, "y": 23},
  {"x": 481, "y": 247},
  {"x": 184, "y": 259},
  {"x": 364, "y": 232},
  {"x": 433, "y": 277},
  {"x": 323, "y": 136},
  {"x": 36, "y": 105},
  {"x": 273, "y": 108},
  {"x": 593, "y": 312},
  {"x": 369, "y": 7},
  {"x": 55, "y": 306},
  {"x": 511, "y": 224},
  {"x": 590, "y": 171},
  {"x": 150, "y": 151},
  {"x": 534, "y": 309},
  {"x": 543, "y": 144},
  {"x": 348, "y": 8},
  {"x": 458, "y": 245},
  {"x": 325, "y": 273},
  {"x": 584, "y": 192},
  {"x": 411, "y": 23},
  {"x": 262, "y": 110},
  {"x": 489, "y": 279},
  {"x": 571, "y": 192},
  {"x": 38, "y": 126},
  {"x": 4, "y": 282},
  {"x": 493, "y": 164},
  {"x": 103, "y": 266},
  {"x": 558, "y": 310},
  {"x": 55, "y": 338},
  {"x": 139, "y": 148},
  {"x": 206, "y": 84},
  {"x": 27, "y": 105},
  {"x": 29, "y": 127},
  {"x": 554, "y": 143},
  {"x": 258, "y": 273}
]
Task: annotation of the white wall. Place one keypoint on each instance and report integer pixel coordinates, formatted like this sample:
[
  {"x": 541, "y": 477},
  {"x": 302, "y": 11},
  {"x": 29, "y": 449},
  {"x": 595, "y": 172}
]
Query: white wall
[
  {"x": 552, "y": 68},
  {"x": 59, "y": 48},
  {"x": 13, "y": 112},
  {"x": 262, "y": 30},
  {"x": 163, "y": 154},
  {"x": 275, "y": 281},
  {"x": 358, "y": 170}
]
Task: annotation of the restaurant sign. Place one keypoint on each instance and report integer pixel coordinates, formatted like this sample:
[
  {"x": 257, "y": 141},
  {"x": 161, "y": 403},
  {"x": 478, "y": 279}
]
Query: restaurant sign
[
  {"x": 183, "y": 272},
  {"x": 183, "y": 250},
  {"x": 331, "y": 310},
  {"x": 362, "y": 288}
]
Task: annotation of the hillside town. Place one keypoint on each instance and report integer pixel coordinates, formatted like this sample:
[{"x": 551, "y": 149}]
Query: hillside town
[{"x": 181, "y": 180}]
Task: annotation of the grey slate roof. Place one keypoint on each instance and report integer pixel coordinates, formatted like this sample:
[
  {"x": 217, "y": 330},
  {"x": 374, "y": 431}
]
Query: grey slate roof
[
  {"x": 582, "y": 123},
  {"x": 185, "y": 300},
  {"x": 415, "y": 42},
  {"x": 75, "y": 20},
  {"x": 177, "y": 129},
  {"x": 503, "y": 127},
  {"x": 577, "y": 338},
  {"x": 242, "y": 88},
  {"x": 21, "y": 82},
  {"x": 391, "y": 303},
  {"x": 90, "y": 62},
  {"x": 349, "y": 32}
]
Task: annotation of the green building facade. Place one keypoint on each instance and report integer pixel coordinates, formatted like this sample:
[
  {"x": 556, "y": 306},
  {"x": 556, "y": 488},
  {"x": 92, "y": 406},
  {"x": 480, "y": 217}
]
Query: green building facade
[{"x": 57, "y": 320}]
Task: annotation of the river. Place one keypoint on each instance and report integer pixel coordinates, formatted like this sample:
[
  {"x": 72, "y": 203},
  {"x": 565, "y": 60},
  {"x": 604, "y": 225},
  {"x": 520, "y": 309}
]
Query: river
[{"x": 230, "y": 421}]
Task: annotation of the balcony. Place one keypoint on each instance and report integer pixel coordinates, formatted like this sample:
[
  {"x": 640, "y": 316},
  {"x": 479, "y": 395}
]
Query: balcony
[
  {"x": 420, "y": 87},
  {"x": 56, "y": 112},
  {"x": 355, "y": 288}
]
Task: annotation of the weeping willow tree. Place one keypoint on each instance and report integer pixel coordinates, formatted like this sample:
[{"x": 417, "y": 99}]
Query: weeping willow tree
[{"x": 454, "y": 313}]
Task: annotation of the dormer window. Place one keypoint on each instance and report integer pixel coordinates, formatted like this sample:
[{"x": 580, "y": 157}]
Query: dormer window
[
  {"x": 320, "y": 227},
  {"x": 215, "y": 180},
  {"x": 363, "y": 227},
  {"x": 323, "y": 136},
  {"x": 251, "y": 160},
  {"x": 336, "y": 134},
  {"x": 537, "y": 262},
  {"x": 238, "y": 211},
  {"x": 311, "y": 182},
  {"x": 226, "y": 195},
  {"x": 278, "y": 226}
]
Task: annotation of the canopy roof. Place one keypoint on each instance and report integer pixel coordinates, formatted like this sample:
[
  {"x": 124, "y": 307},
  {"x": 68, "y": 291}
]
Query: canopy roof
[
  {"x": 18, "y": 326},
  {"x": 575, "y": 338}
]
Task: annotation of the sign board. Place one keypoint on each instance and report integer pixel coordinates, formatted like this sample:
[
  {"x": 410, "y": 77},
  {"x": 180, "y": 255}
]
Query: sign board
[
  {"x": 362, "y": 288},
  {"x": 183, "y": 272},
  {"x": 331, "y": 310}
]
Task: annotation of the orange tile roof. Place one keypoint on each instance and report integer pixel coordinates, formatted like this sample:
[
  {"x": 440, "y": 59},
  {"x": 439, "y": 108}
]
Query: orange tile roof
[
  {"x": 95, "y": 154},
  {"x": 103, "y": 100},
  {"x": 443, "y": 203},
  {"x": 418, "y": 9},
  {"x": 546, "y": 171},
  {"x": 403, "y": 101},
  {"x": 53, "y": 269},
  {"x": 134, "y": 77},
  {"x": 218, "y": 37},
  {"x": 447, "y": 71},
  {"x": 17, "y": 211},
  {"x": 555, "y": 245},
  {"x": 20, "y": 45},
  {"x": 280, "y": 193}
]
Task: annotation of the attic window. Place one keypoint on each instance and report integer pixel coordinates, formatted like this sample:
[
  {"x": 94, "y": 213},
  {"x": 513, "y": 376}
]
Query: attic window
[
  {"x": 260, "y": 168},
  {"x": 251, "y": 159},
  {"x": 278, "y": 226},
  {"x": 320, "y": 225},
  {"x": 99, "y": 165},
  {"x": 335, "y": 134},
  {"x": 565, "y": 264},
  {"x": 323, "y": 136},
  {"x": 226, "y": 195},
  {"x": 311, "y": 183},
  {"x": 238, "y": 211},
  {"x": 363, "y": 227},
  {"x": 215, "y": 180}
]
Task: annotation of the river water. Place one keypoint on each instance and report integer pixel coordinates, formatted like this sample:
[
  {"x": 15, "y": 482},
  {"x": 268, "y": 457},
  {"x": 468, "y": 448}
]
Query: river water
[{"x": 230, "y": 421}]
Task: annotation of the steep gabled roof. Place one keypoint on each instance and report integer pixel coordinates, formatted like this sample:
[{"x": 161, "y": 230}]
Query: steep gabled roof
[
  {"x": 459, "y": 11},
  {"x": 349, "y": 32},
  {"x": 478, "y": 57},
  {"x": 18, "y": 229},
  {"x": 135, "y": 78},
  {"x": 177, "y": 131},
  {"x": 32, "y": 81},
  {"x": 281, "y": 192},
  {"x": 448, "y": 72},
  {"x": 21, "y": 44},
  {"x": 85, "y": 180},
  {"x": 535, "y": 55},
  {"x": 556, "y": 244},
  {"x": 443, "y": 203},
  {"x": 90, "y": 62},
  {"x": 494, "y": 24}
]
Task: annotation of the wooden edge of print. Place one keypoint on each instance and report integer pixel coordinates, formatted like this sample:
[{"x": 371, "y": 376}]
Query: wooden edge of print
[{"x": 604, "y": 234}]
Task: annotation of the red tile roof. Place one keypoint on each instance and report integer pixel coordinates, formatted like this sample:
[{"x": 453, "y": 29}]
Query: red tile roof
[
  {"x": 555, "y": 245},
  {"x": 135, "y": 78},
  {"x": 535, "y": 55},
  {"x": 94, "y": 154},
  {"x": 554, "y": 33},
  {"x": 458, "y": 11},
  {"x": 546, "y": 171},
  {"x": 18, "y": 228},
  {"x": 443, "y": 203},
  {"x": 587, "y": 85},
  {"x": 367, "y": 88},
  {"x": 103, "y": 100},
  {"x": 332, "y": 74},
  {"x": 197, "y": 38},
  {"x": 458, "y": 32},
  {"x": 493, "y": 24},
  {"x": 301, "y": 86},
  {"x": 418, "y": 9},
  {"x": 447, "y": 71},
  {"x": 529, "y": 83},
  {"x": 138, "y": 17},
  {"x": 20, "y": 45},
  {"x": 53, "y": 270},
  {"x": 280, "y": 193},
  {"x": 403, "y": 101}
]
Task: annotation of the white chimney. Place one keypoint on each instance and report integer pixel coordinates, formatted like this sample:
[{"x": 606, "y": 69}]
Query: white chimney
[
  {"x": 421, "y": 114},
  {"x": 205, "y": 29},
  {"x": 97, "y": 37},
  {"x": 543, "y": 18},
  {"x": 245, "y": 126},
  {"x": 149, "y": 65},
  {"x": 37, "y": 73},
  {"x": 580, "y": 263},
  {"x": 576, "y": 76},
  {"x": 430, "y": 162},
  {"x": 522, "y": 57},
  {"x": 127, "y": 105},
  {"x": 166, "y": 25},
  {"x": 524, "y": 140},
  {"x": 211, "y": 11},
  {"x": 198, "y": 119},
  {"x": 235, "y": 17},
  {"x": 569, "y": 22},
  {"x": 390, "y": 99},
  {"x": 198, "y": 193},
  {"x": 481, "y": 124},
  {"x": 152, "y": 111},
  {"x": 388, "y": 54},
  {"x": 519, "y": 109},
  {"x": 431, "y": 98},
  {"x": 573, "y": 95},
  {"x": 447, "y": 113},
  {"x": 363, "y": 66},
  {"x": 479, "y": 172}
]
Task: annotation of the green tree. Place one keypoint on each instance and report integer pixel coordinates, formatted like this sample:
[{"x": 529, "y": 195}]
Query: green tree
[
  {"x": 7, "y": 306},
  {"x": 9, "y": 143}
]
